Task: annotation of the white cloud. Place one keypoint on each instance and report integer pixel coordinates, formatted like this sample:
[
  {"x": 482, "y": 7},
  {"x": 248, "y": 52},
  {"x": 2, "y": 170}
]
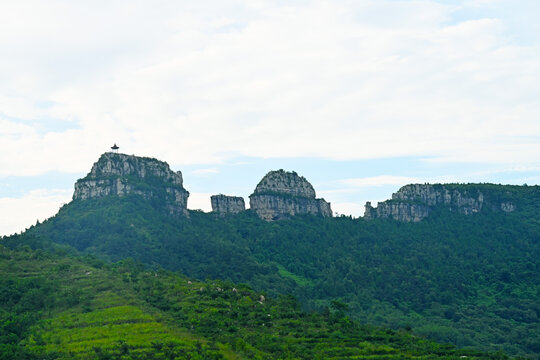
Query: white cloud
[
  {"x": 20, "y": 213},
  {"x": 348, "y": 208},
  {"x": 205, "y": 172},
  {"x": 199, "y": 201},
  {"x": 381, "y": 181},
  {"x": 190, "y": 83}
]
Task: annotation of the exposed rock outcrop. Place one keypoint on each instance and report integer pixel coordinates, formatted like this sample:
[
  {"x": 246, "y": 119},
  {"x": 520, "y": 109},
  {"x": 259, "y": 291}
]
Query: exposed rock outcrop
[
  {"x": 121, "y": 174},
  {"x": 397, "y": 211},
  {"x": 223, "y": 204},
  {"x": 282, "y": 194},
  {"x": 414, "y": 202},
  {"x": 507, "y": 206}
]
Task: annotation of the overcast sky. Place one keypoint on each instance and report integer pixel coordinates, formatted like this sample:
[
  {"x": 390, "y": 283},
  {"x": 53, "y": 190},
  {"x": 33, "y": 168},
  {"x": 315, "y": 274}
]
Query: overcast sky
[{"x": 360, "y": 97}]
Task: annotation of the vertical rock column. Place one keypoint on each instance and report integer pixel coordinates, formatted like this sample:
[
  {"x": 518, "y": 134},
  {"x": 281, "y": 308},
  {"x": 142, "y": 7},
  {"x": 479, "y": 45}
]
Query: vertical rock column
[{"x": 223, "y": 204}]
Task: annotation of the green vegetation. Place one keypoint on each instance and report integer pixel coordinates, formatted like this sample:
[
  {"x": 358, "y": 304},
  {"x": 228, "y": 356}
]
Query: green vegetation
[
  {"x": 299, "y": 280},
  {"x": 81, "y": 308},
  {"x": 467, "y": 280}
]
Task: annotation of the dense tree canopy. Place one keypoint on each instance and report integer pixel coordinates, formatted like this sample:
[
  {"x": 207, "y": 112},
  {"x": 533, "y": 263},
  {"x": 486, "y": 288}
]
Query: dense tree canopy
[{"x": 54, "y": 306}]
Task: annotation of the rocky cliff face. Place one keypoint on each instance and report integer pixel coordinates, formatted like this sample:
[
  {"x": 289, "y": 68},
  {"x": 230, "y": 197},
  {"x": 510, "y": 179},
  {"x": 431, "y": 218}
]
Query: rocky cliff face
[
  {"x": 397, "y": 211},
  {"x": 281, "y": 194},
  {"x": 415, "y": 202},
  {"x": 223, "y": 204},
  {"x": 120, "y": 175}
]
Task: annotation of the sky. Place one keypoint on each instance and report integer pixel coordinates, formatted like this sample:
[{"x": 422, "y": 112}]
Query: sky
[{"x": 360, "y": 97}]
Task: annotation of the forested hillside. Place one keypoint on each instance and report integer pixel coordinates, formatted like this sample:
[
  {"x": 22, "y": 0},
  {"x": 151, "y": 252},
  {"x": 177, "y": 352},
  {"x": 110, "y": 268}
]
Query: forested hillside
[
  {"x": 58, "y": 307},
  {"x": 468, "y": 280}
]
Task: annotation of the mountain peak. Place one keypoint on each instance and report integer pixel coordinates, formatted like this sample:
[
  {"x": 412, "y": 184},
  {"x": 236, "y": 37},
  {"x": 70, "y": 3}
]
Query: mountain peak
[
  {"x": 285, "y": 182},
  {"x": 282, "y": 194},
  {"x": 116, "y": 174}
]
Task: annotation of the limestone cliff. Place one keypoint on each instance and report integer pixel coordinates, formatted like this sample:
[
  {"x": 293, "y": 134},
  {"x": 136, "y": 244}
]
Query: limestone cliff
[
  {"x": 223, "y": 204},
  {"x": 120, "y": 175},
  {"x": 414, "y": 202},
  {"x": 281, "y": 194}
]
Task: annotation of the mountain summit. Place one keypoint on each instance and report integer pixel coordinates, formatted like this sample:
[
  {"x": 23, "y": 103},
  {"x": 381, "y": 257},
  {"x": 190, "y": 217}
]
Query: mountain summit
[
  {"x": 121, "y": 174},
  {"x": 282, "y": 194}
]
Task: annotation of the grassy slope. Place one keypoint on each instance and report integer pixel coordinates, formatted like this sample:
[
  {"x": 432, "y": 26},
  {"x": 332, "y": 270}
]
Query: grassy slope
[
  {"x": 102, "y": 310},
  {"x": 128, "y": 312}
]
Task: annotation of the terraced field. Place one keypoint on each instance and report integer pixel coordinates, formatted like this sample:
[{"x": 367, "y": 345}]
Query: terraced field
[{"x": 75, "y": 308}]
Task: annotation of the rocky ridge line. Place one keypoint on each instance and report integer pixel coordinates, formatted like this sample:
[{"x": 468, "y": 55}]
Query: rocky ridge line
[
  {"x": 415, "y": 202},
  {"x": 121, "y": 175}
]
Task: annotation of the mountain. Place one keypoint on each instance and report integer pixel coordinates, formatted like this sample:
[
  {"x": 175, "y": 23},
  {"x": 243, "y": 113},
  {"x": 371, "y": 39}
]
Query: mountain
[
  {"x": 465, "y": 273},
  {"x": 54, "y": 306},
  {"x": 122, "y": 175},
  {"x": 281, "y": 194}
]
